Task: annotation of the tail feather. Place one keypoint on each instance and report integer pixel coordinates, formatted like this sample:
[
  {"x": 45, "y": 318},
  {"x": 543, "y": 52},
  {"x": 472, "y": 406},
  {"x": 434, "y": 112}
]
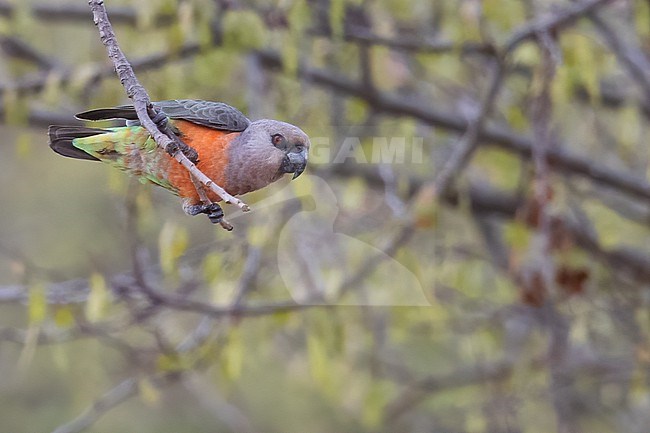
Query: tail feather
[
  {"x": 61, "y": 140},
  {"x": 122, "y": 112}
]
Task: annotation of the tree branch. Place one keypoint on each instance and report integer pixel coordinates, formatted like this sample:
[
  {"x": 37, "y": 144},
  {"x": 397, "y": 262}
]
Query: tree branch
[
  {"x": 19, "y": 49},
  {"x": 112, "y": 398},
  {"x": 558, "y": 157},
  {"x": 632, "y": 60},
  {"x": 470, "y": 140},
  {"x": 167, "y": 140}
]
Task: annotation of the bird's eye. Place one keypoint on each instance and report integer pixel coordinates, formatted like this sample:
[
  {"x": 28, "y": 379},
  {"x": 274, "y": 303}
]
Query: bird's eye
[{"x": 277, "y": 139}]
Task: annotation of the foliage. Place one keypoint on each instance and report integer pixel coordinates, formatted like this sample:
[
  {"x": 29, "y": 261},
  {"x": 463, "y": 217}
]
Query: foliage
[{"x": 372, "y": 293}]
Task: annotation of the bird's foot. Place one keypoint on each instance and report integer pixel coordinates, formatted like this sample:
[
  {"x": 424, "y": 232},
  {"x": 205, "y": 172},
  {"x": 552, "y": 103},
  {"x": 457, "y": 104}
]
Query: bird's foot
[
  {"x": 212, "y": 210},
  {"x": 161, "y": 120}
]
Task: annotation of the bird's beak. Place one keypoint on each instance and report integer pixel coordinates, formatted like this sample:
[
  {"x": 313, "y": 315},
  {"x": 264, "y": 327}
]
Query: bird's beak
[{"x": 295, "y": 162}]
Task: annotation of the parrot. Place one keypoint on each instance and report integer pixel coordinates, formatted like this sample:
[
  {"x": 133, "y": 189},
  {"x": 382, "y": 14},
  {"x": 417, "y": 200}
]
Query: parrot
[{"x": 238, "y": 154}]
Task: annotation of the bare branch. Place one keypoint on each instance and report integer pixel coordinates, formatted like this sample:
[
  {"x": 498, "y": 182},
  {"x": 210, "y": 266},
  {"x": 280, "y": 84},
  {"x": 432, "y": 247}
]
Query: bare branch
[
  {"x": 77, "y": 12},
  {"x": 419, "y": 390},
  {"x": 19, "y": 49},
  {"x": 484, "y": 200},
  {"x": 470, "y": 140},
  {"x": 112, "y": 398},
  {"x": 554, "y": 22},
  {"x": 144, "y": 109},
  {"x": 468, "y": 144},
  {"x": 632, "y": 60},
  {"x": 559, "y": 157}
]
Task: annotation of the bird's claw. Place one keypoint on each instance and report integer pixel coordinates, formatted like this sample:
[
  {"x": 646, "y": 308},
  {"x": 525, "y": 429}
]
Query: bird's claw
[
  {"x": 215, "y": 213},
  {"x": 212, "y": 210},
  {"x": 161, "y": 120}
]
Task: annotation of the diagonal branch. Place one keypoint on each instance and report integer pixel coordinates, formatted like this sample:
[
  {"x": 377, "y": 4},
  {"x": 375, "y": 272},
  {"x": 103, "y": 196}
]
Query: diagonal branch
[
  {"x": 145, "y": 110},
  {"x": 557, "y": 20},
  {"x": 560, "y": 158},
  {"x": 471, "y": 139},
  {"x": 113, "y": 397},
  {"x": 632, "y": 59}
]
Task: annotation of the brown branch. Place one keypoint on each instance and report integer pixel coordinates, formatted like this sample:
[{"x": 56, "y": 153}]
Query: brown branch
[
  {"x": 421, "y": 389},
  {"x": 166, "y": 140},
  {"x": 127, "y": 15},
  {"x": 43, "y": 119},
  {"x": 632, "y": 60},
  {"x": 554, "y": 22},
  {"x": 6, "y": 9},
  {"x": 37, "y": 82},
  {"x": 471, "y": 139},
  {"x": 77, "y": 12},
  {"x": 112, "y": 398},
  {"x": 542, "y": 111},
  {"x": 20, "y": 336},
  {"x": 19, "y": 49},
  {"x": 559, "y": 158},
  {"x": 484, "y": 200}
]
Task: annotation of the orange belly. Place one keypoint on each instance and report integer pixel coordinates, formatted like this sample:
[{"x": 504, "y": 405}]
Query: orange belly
[{"x": 212, "y": 148}]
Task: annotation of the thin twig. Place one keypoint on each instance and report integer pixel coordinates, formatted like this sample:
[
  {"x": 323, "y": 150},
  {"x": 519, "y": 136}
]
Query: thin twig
[
  {"x": 633, "y": 60},
  {"x": 542, "y": 110},
  {"x": 19, "y": 49},
  {"x": 203, "y": 196},
  {"x": 553, "y": 22},
  {"x": 559, "y": 157},
  {"x": 143, "y": 107},
  {"x": 115, "y": 396},
  {"x": 471, "y": 139}
]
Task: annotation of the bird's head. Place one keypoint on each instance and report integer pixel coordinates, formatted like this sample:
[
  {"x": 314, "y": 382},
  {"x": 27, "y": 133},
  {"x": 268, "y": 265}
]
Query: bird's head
[{"x": 264, "y": 152}]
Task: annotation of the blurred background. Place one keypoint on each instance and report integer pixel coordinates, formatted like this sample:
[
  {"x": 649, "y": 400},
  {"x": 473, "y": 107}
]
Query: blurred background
[{"x": 468, "y": 251}]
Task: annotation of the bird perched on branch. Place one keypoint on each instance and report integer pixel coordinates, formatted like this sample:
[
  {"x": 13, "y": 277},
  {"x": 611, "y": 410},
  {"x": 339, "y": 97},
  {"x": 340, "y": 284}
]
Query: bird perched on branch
[{"x": 239, "y": 155}]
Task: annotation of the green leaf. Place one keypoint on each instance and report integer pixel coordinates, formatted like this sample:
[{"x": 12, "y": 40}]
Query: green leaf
[
  {"x": 299, "y": 17},
  {"x": 181, "y": 361},
  {"x": 24, "y": 146},
  {"x": 63, "y": 317},
  {"x": 172, "y": 242},
  {"x": 642, "y": 18},
  {"x": 629, "y": 129},
  {"x": 374, "y": 404},
  {"x": 562, "y": 86},
  {"x": 16, "y": 109},
  {"x": 37, "y": 304},
  {"x": 212, "y": 267},
  {"x": 98, "y": 298},
  {"x": 257, "y": 235},
  {"x": 243, "y": 30},
  {"x": 149, "y": 394},
  {"x": 526, "y": 54},
  {"x": 290, "y": 55},
  {"x": 233, "y": 355},
  {"x": 517, "y": 235},
  {"x": 318, "y": 363},
  {"x": 337, "y": 15},
  {"x": 52, "y": 90}
]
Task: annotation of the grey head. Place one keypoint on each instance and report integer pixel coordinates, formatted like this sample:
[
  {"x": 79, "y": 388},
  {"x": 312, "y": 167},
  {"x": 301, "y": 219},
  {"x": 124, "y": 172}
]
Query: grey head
[{"x": 263, "y": 153}]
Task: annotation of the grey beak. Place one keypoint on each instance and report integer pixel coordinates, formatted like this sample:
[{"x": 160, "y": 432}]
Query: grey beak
[{"x": 295, "y": 163}]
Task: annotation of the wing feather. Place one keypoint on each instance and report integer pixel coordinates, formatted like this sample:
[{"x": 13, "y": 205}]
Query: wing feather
[{"x": 216, "y": 115}]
